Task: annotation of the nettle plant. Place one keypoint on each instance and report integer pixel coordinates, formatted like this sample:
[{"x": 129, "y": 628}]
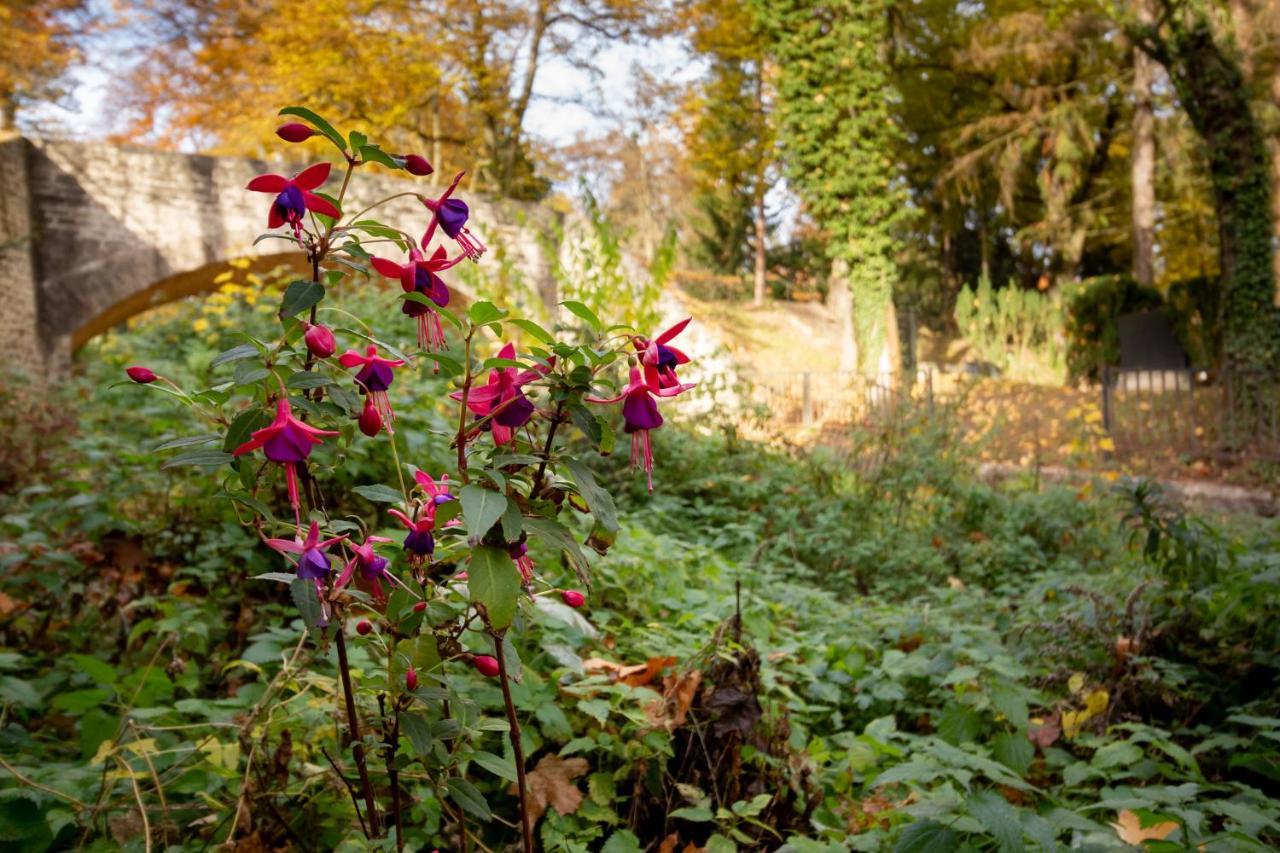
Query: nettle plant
[{"x": 448, "y": 595}]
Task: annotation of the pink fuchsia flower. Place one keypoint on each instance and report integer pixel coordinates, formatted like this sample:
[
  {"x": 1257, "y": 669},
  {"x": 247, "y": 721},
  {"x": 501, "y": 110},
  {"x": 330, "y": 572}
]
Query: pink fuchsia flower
[
  {"x": 286, "y": 441},
  {"x": 436, "y": 491},
  {"x": 419, "y": 276},
  {"x": 370, "y": 420},
  {"x": 503, "y": 396},
  {"x": 374, "y": 378},
  {"x": 420, "y": 543},
  {"x": 372, "y": 566},
  {"x": 451, "y": 215},
  {"x": 411, "y": 679},
  {"x": 573, "y": 598},
  {"x": 320, "y": 341},
  {"x": 486, "y": 665},
  {"x": 416, "y": 164},
  {"x": 519, "y": 554},
  {"x": 294, "y": 132},
  {"x": 659, "y": 360},
  {"x": 141, "y": 375},
  {"x": 640, "y": 415},
  {"x": 313, "y": 562},
  {"x": 294, "y": 197}
]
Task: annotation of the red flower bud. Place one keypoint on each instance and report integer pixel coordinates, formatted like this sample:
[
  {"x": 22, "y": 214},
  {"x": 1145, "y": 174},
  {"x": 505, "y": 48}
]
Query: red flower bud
[
  {"x": 363, "y": 627},
  {"x": 419, "y": 607},
  {"x": 416, "y": 164},
  {"x": 485, "y": 665},
  {"x": 141, "y": 375},
  {"x": 370, "y": 419},
  {"x": 411, "y": 679},
  {"x": 294, "y": 132},
  {"x": 320, "y": 341},
  {"x": 573, "y": 598}
]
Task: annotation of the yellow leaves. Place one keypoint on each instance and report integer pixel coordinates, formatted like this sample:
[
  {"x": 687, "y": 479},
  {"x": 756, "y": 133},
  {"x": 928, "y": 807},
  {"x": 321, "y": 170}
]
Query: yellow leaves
[
  {"x": 551, "y": 784},
  {"x": 1129, "y": 827},
  {"x": 1095, "y": 702},
  {"x": 222, "y": 755}
]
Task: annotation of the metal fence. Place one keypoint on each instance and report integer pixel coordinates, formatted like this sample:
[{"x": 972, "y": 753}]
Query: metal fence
[
  {"x": 822, "y": 398},
  {"x": 1222, "y": 414}
]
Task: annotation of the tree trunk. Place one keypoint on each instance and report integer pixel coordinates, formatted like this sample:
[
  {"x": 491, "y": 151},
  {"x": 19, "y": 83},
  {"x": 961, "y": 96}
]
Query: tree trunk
[
  {"x": 761, "y": 229},
  {"x": 1143, "y": 161},
  {"x": 841, "y": 297},
  {"x": 1212, "y": 90}
]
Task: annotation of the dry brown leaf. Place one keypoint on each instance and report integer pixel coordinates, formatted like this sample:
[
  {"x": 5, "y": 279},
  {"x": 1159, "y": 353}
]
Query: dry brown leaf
[
  {"x": 551, "y": 784},
  {"x": 680, "y": 693},
  {"x": 1131, "y": 831},
  {"x": 669, "y": 843},
  {"x": 1043, "y": 733},
  {"x": 634, "y": 675}
]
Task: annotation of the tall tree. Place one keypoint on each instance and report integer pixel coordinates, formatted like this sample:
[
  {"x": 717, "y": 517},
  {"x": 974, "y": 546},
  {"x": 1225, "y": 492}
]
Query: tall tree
[
  {"x": 1206, "y": 73},
  {"x": 838, "y": 137},
  {"x": 41, "y": 39},
  {"x": 1143, "y": 158}
]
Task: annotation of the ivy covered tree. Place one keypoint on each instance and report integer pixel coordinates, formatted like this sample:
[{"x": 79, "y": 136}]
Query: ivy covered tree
[{"x": 838, "y": 140}]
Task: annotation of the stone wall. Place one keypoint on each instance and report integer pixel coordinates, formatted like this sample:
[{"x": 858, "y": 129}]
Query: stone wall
[
  {"x": 106, "y": 223},
  {"x": 19, "y": 310}
]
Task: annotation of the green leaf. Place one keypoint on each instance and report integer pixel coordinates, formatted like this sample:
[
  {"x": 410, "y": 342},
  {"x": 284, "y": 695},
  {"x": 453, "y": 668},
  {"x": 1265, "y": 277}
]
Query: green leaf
[
  {"x": 79, "y": 701},
  {"x": 511, "y": 522},
  {"x": 598, "y": 500},
  {"x": 318, "y": 123},
  {"x": 533, "y": 329},
  {"x": 1001, "y": 820},
  {"x": 622, "y": 841},
  {"x": 927, "y": 836},
  {"x": 379, "y": 493},
  {"x": 307, "y": 601},
  {"x": 958, "y": 724},
  {"x": 243, "y": 426},
  {"x": 481, "y": 313},
  {"x": 305, "y": 379},
  {"x": 375, "y": 154},
  {"x": 696, "y": 814},
  {"x": 494, "y": 582},
  {"x": 234, "y": 354},
  {"x": 465, "y": 795},
  {"x": 186, "y": 442},
  {"x": 1013, "y": 750},
  {"x": 556, "y": 534},
  {"x": 279, "y": 577},
  {"x": 203, "y": 458},
  {"x": 496, "y": 765},
  {"x": 299, "y": 296},
  {"x": 415, "y": 726},
  {"x": 99, "y": 670},
  {"x": 481, "y": 508},
  {"x": 582, "y": 311}
]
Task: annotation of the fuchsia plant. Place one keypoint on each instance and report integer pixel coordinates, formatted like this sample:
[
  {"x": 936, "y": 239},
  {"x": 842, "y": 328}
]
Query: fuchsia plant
[{"x": 464, "y": 573}]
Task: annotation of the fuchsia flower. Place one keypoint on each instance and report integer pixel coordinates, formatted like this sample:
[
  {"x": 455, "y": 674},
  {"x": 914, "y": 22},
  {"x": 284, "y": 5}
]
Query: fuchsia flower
[
  {"x": 313, "y": 562},
  {"x": 374, "y": 378},
  {"x": 320, "y": 341},
  {"x": 451, "y": 215},
  {"x": 503, "y": 395},
  {"x": 486, "y": 665},
  {"x": 370, "y": 421},
  {"x": 573, "y": 598},
  {"x": 294, "y": 197},
  {"x": 141, "y": 375},
  {"x": 416, "y": 164},
  {"x": 519, "y": 554},
  {"x": 288, "y": 441},
  {"x": 294, "y": 132},
  {"x": 373, "y": 567},
  {"x": 658, "y": 359},
  {"x": 640, "y": 415},
  {"x": 420, "y": 275}
]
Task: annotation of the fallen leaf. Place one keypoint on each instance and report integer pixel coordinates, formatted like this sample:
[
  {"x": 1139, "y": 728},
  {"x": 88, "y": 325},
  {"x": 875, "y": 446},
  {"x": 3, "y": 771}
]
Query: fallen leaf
[
  {"x": 1043, "y": 733},
  {"x": 551, "y": 784},
  {"x": 634, "y": 675},
  {"x": 679, "y": 694},
  {"x": 1129, "y": 827},
  {"x": 669, "y": 843},
  {"x": 955, "y": 582}
]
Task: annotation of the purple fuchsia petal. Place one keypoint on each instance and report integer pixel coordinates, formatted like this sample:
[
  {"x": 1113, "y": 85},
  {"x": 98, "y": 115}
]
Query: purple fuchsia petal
[
  {"x": 374, "y": 568},
  {"x": 517, "y": 412},
  {"x": 287, "y": 445},
  {"x": 290, "y": 205},
  {"x": 314, "y": 565},
  {"x": 640, "y": 411},
  {"x": 420, "y": 543},
  {"x": 453, "y": 214},
  {"x": 375, "y": 376}
]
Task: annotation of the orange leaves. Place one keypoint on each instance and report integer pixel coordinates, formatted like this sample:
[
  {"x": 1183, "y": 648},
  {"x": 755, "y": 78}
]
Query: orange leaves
[
  {"x": 636, "y": 675},
  {"x": 1129, "y": 827},
  {"x": 551, "y": 784}
]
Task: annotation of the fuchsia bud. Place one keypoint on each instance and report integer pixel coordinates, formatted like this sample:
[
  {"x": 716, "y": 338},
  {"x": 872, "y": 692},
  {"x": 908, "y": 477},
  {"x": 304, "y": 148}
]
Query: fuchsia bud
[
  {"x": 411, "y": 679},
  {"x": 364, "y": 626},
  {"x": 419, "y": 607},
  {"x": 294, "y": 132},
  {"x": 370, "y": 419},
  {"x": 573, "y": 598},
  {"x": 415, "y": 164},
  {"x": 141, "y": 375},
  {"x": 320, "y": 341},
  {"x": 486, "y": 665}
]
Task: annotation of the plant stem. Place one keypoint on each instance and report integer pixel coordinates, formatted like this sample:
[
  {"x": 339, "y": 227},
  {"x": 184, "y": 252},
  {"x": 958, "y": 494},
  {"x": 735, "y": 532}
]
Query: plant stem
[
  {"x": 462, "y": 411},
  {"x": 353, "y": 723},
  {"x": 394, "y": 772},
  {"x": 546, "y": 450},
  {"x": 514, "y": 725}
]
